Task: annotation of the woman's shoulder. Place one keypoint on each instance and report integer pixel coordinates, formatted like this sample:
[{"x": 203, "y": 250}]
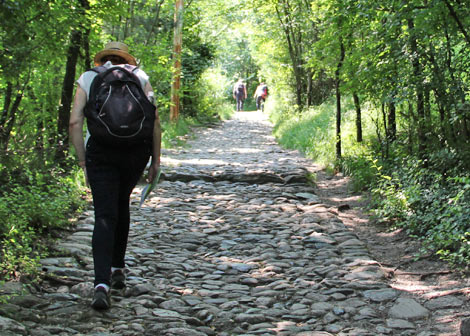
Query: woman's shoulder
[
  {"x": 141, "y": 73},
  {"x": 86, "y": 78}
]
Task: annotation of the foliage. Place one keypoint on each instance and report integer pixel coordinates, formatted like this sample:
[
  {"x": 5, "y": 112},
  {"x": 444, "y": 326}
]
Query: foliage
[
  {"x": 429, "y": 199},
  {"x": 429, "y": 203},
  {"x": 407, "y": 63},
  {"x": 209, "y": 99},
  {"x": 32, "y": 210},
  {"x": 362, "y": 169},
  {"x": 173, "y": 132},
  {"x": 312, "y": 132},
  {"x": 210, "y": 90}
]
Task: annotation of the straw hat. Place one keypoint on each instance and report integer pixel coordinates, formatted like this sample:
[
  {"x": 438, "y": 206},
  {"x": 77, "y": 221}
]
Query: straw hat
[{"x": 115, "y": 48}]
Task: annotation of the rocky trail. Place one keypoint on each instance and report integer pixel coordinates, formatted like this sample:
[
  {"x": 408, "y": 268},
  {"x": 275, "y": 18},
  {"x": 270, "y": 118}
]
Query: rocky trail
[{"x": 237, "y": 240}]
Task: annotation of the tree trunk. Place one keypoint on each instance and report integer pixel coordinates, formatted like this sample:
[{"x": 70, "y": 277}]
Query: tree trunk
[
  {"x": 457, "y": 20},
  {"x": 411, "y": 118},
  {"x": 417, "y": 73},
  {"x": 87, "y": 61},
  {"x": 357, "y": 104},
  {"x": 385, "y": 144},
  {"x": 129, "y": 19},
  {"x": 67, "y": 94},
  {"x": 6, "y": 104},
  {"x": 177, "y": 45},
  {"x": 155, "y": 20},
  {"x": 392, "y": 123},
  {"x": 338, "y": 99},
  {"x": 309, "y": 88},
  {"x": 293, "y": 51},
  {"x": 441, "y": 97},
  {"x": 76, "y": 40},
  {"x": 7, "y": 125},
  {"x": 452, "y": 125}
]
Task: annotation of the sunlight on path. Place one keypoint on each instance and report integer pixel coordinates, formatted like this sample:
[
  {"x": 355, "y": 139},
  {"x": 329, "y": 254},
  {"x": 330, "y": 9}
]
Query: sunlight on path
[{"x": 251, "y": 115}]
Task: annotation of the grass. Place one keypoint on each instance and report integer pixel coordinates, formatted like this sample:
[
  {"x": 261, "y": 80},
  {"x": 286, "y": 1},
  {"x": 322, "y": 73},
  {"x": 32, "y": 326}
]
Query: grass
[{"x": 313, "y": 132}]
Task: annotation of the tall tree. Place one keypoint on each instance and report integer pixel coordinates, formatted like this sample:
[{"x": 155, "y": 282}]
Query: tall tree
[
  {"x": 419, "y": 90},
  {"x": 67, "y": 93},
  {"x": 177, "y": 44},
  {"x": 357, "y": 104},
  {"x": 338, "y": 97}
]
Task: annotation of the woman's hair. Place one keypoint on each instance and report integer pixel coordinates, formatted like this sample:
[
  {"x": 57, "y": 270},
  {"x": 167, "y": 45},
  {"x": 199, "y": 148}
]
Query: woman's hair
[{"x": 115, "y": 59}]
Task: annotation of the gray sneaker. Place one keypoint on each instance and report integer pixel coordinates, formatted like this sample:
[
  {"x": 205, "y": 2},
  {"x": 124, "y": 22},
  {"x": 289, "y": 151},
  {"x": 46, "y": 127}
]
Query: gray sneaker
[
  {"x": 101, "y": 299},
  {"x": 118, "y": 279}
]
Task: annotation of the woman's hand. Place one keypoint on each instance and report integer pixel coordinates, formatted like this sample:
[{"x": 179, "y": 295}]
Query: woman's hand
[{"x": 153, "y": 172}]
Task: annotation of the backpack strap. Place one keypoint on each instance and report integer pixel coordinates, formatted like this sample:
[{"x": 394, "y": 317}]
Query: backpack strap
[{"x": 97, "y": 80}]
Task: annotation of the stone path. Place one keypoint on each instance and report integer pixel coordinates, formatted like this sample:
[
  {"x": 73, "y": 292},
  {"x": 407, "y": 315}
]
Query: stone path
[{"x": 234, "y": 241}]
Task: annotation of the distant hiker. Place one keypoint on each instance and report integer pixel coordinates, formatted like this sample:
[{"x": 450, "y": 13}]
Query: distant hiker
[
  {"x": 261, "y": 93},
  {"x": 115, "y": 97},
  {"x": 239, "y": 94}
]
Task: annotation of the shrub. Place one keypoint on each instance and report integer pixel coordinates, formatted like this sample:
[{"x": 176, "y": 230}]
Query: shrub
[
  {"x": 431, "y": 202},
  {"x": 362, "y": 169},
  {"x": 29, "y": 212},
  {"x": 212, "y": 98}
]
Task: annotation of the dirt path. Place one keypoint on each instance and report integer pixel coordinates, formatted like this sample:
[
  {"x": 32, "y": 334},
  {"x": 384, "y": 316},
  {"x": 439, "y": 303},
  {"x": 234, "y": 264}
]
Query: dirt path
[{"x": 236, "y": 240}]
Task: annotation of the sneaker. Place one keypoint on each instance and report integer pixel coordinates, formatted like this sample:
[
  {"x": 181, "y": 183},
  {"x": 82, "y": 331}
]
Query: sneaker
[
  {"x": 118, "y": 279},
  {"x": 101, "y": 299}
]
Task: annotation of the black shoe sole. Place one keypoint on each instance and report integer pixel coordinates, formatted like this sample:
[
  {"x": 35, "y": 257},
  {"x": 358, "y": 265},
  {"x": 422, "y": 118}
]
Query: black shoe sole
[
  {"x": 100, "y": 305},
  {"x": 100, "y": 301}
]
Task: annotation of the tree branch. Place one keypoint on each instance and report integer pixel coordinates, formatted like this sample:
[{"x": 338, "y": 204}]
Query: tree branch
[{"x": 454, "y": 15}]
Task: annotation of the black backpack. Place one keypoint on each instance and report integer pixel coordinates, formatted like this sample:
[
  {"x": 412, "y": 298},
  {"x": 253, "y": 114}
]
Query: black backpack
[
  {"x": 118, "y": 112},
  {"x": 240, "y": 89}
]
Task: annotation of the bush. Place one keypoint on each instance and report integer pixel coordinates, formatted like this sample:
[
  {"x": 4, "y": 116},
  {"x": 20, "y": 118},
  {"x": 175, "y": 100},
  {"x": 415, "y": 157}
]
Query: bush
[
  {"x": 172, "y": 132},
  {"x": 30, "y": 212},
  {"x": 430, "y": 200},
  {"x": 212, "y": 100},
  {"x": 362, "y": 169}
]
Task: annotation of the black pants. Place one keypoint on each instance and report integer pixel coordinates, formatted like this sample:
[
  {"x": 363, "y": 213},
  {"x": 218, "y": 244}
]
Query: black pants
[
  {"x": 259, "y": 100},
  {"x": 240, "y": 99},
  {"x": 113, "y": 173}
]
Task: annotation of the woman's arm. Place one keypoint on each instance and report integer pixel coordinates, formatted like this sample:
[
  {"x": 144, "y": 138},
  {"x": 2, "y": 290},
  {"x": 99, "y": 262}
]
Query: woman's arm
[
  {"x": 157, "y": 140},
  {"x": 76, "y": 125}
]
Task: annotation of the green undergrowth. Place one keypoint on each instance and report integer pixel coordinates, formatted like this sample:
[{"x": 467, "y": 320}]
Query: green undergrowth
[
  {"x": 313, "y": 132},
  {"x": 32, "y": 205},
  {"x": 309, "y": 132},
  {"x": 173, "y": 132},
  {"x": 430, "y": 201}
]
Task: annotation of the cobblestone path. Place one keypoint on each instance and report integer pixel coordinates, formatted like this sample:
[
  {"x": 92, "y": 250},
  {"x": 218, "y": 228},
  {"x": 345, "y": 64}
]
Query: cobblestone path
[{"x": 234, "y": 241}]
